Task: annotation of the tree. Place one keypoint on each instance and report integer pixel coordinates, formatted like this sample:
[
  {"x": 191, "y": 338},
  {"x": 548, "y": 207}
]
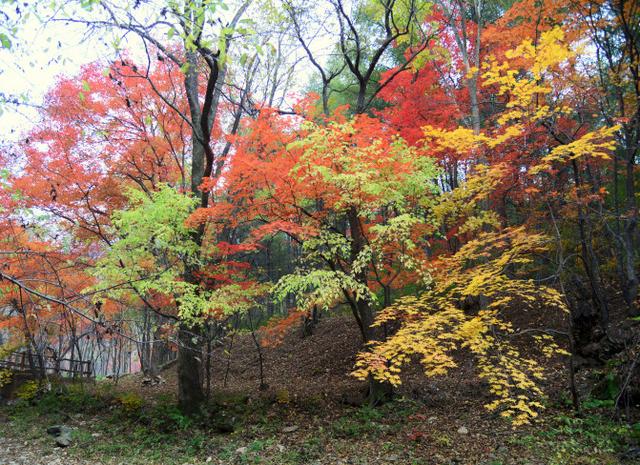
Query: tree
[
  {"x": 366, "y": 33},
  {"x": 155, "y": 246},
  {"x": 188, "y": 35},
  {"x": 487, "y": 266},
  {"x": 613, "y": 29},
  {"x": 349, "y": 193},
  {"x": 436, "y": 324}
]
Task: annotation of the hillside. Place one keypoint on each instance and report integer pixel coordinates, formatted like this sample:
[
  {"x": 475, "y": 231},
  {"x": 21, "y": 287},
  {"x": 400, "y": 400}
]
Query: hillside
[{"x": 309, "y": 414}]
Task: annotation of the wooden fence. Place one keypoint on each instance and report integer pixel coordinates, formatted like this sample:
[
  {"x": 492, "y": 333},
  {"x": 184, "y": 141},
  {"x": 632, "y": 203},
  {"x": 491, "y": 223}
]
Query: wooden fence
[{"x": 20, "y": 361}]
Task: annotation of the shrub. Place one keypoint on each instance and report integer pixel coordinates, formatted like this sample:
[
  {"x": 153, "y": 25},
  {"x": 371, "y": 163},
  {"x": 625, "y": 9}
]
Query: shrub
[
  {"x": 131, "y": 402},
  {"x": 5, "y": 377},
  {"x": 166, "y": 416},
  {"x": 28, "y": 390}
]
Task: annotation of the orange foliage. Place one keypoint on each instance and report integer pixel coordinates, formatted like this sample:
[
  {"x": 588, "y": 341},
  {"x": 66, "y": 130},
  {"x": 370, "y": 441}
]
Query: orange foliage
[{"x": 273, "y": 333}]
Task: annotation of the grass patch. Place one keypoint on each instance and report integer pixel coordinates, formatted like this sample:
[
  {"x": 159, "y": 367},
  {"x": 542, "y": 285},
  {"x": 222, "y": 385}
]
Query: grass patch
[
  {"x": 369, "y": 421},
  {"x": 105, "y": 424},
  {"x": 589, "y": 440}
]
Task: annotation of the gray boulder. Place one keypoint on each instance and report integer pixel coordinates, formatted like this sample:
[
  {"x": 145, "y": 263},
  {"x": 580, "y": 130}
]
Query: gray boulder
[{"x": 61, "y": 435}]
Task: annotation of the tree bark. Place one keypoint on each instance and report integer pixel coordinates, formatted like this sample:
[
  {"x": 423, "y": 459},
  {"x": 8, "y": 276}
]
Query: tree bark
[
  {"x": 589, "y": 257},
  {"x": 379, "y": 391},
  {"x": 190, "y": 395}
]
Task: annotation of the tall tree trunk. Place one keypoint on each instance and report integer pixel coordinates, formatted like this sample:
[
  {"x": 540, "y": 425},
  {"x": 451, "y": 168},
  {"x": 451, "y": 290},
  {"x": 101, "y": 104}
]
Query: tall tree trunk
[
  {"x": 203, "y": 117},
  {"x": 190, "y": 394},
  {"x": 589, "y": 257},
  {"x": 378, "y": 391},
  {"x": 631, "y": 284}
]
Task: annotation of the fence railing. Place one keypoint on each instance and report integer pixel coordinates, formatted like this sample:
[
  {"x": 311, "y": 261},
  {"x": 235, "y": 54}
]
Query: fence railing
[{"x": 23, "y": 361}]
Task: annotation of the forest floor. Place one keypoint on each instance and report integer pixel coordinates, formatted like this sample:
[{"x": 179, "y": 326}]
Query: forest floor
[{"x": 310, "y": 413}]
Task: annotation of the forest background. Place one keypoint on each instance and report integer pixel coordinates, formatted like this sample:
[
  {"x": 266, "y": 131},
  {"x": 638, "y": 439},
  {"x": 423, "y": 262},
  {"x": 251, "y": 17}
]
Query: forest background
[{"x": 453, "y": 180}]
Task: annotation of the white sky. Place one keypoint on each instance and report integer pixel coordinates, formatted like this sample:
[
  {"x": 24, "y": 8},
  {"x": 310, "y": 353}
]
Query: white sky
[
  {"x": 33, "y": 63},
  {"x": 42, "y": 52}
]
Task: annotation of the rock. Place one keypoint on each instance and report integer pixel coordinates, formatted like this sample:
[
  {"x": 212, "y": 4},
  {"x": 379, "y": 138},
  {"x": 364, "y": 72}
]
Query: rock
[
  {"x": 241, "y": 450},
  {"x": 209, "y": 459},
  {"x": 64, "y": 440},
  {"x": 591, "y": 350},
  {"x": 58, "y": 430},
  {"x": 55, "y": 430},
  {"x": 631, "y": 454},
  {"x": 501, "y": 450},
  {"x": 289, "y": 429},
  {"x": 352, "y": 399},
  {"x": 96, "y": 435},
  {"x": 153, "y": 380},
  {"x": 223, "y": 427},
  {"x": 61, "y": 435},
  {"x": 463, "y": 430},
  {"x": 391, "y": 458}
]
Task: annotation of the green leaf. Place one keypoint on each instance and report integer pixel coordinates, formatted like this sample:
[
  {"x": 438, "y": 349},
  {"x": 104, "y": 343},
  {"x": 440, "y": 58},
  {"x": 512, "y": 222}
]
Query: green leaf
[
  {"x": 4, "y": 40},
  {"x": 87, "y": 4}
]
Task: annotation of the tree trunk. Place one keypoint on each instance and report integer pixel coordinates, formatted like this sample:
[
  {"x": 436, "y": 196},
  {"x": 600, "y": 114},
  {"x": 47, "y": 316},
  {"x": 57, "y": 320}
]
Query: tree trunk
[
  {"x": 630, "y": 251},
  {"x": 588, "y": 256},
  {"x": 190, "y": 395},
  {"x": 379, "y": 391}
]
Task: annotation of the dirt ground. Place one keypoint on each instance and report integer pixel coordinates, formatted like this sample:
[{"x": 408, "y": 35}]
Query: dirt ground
[{"x": 311, "y": 413}]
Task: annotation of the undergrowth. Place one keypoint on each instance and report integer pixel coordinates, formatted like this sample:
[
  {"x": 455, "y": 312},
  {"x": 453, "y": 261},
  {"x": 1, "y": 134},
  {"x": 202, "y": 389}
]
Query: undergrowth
[
  {"x": 233, "y": 429},
  {"x": 589, "y": 439}
]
